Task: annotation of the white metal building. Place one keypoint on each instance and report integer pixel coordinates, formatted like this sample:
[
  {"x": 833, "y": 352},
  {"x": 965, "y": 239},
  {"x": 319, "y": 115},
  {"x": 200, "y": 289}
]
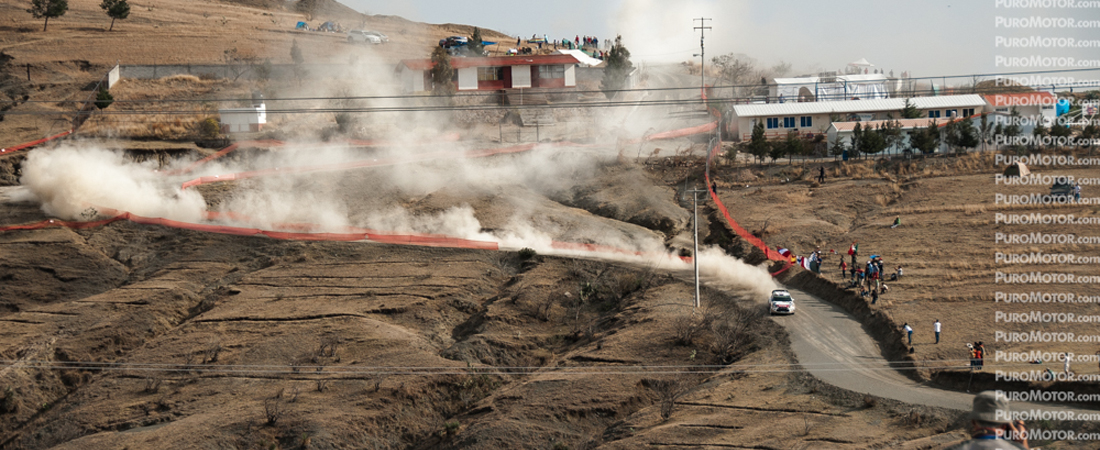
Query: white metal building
[
  {"x": 1035, "y": 107},
  {"x": 243, "y": 120},
  {"x": 830, "y": 88},
  {"x": 815, "y": 117}
]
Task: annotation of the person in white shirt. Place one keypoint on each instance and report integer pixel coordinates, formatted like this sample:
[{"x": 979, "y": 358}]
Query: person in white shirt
[
  {"x": 936, "y": 326},
  {"x": 1065, "y": 366},
  {"x": 909, "y": 331}
]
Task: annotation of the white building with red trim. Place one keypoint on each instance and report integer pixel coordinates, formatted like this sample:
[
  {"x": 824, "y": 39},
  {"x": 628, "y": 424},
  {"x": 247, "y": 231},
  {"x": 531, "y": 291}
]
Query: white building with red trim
[
  {"x": 1034, "y": 107},
  {"x": 494, "y": 73},
  {"x": 808, "y": 118}
]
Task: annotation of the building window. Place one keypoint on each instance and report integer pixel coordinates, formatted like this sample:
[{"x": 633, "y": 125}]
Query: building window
[
  {"x": 968, "y": 112},
  {"x": 490, "y": 73},
  {"x": 552, "y": 71},
  {"x": 934, "y": 114},
  {"x": 952, "y": 113},
  {"x": 773, "y": 122},
  {"x": 788, "y": 122},
  {"x": 807, "y": 121}
]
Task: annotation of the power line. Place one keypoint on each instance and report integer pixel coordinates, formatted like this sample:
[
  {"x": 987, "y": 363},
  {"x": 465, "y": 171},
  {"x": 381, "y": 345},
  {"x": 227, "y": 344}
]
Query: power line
[{"x": 490, "y": 94}]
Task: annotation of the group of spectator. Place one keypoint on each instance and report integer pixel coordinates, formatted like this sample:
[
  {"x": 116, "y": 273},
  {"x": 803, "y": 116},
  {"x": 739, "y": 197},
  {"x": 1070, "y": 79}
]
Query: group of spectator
[
  {"x": 870, "y": 279},
  {"x": 590, "y": 44}
]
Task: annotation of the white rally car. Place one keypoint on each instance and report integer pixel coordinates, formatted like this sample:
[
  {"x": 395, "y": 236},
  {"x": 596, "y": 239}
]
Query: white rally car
[{"x": 781, "y": 302}]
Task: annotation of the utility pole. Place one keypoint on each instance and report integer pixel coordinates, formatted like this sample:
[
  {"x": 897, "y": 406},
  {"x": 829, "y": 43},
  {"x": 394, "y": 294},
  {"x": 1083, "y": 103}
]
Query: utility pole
[
  {"x": 695, "y": 239},
  {"x": 702, "y": 58}
]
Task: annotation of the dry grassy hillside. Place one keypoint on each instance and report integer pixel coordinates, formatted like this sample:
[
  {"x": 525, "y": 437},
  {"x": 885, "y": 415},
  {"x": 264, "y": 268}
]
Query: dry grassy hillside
[
  {"x": 946, "y": 243},
  {"x": 66, "y": 61}
]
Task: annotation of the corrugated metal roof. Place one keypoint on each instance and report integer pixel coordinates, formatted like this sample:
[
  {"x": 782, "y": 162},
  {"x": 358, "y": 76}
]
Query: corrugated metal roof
[{"x": 857, "y": 106}]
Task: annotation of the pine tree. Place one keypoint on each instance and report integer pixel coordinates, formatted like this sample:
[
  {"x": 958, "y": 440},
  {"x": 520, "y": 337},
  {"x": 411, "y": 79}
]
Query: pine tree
[
  {"x": 837, "y": 148},
  {"x": 117, "y": 9},
  {"x": 442, "y": 73},
  {"x": 758, "y": 146},
  {"x": 617, "y": 68},
  {"x": 103, "y": 99},
  {"x": 857, "y": 141},
  {"x": 910, "y": 111},
  {"x": 475, "y": 45},
  {"x": 48, "y": 9}
]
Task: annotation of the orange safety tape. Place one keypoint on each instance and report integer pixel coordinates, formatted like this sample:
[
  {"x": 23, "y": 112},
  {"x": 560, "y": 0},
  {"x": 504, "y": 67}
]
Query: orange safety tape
[{"x": 20, "y": 147}]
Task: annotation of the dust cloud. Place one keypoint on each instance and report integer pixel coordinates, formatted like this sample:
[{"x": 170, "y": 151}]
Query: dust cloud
[
  {"x": 420, "y": 187},
  {"x": 74, "y": 182}
]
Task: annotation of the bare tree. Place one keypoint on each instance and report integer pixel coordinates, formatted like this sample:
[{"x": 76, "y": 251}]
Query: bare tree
[{"x": 669, "y": 391}]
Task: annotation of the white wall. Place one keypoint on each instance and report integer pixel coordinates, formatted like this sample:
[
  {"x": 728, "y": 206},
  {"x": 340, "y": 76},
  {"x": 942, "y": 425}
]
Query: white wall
[
  {"x": 570, "y": 75},
  {"x": 521, "y": 76},
  {"x": 467, "y": 79}
]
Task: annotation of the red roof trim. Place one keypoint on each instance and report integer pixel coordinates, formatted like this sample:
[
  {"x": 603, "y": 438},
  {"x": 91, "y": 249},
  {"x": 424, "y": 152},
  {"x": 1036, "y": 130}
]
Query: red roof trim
[
  {"x": 1022, "y": 99},
  {"x": 494, "y": 61}
]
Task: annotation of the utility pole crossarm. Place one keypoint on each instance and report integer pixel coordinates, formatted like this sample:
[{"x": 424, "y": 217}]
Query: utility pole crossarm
[{"x": 702, "y": 55}]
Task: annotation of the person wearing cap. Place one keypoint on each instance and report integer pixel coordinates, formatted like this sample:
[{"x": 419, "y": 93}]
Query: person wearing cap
[{"x": 991, "y": 425}]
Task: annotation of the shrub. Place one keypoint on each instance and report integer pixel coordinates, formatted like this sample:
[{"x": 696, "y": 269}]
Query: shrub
[
  {"x": 209, "y": 128},
  {"x": 526, "y": 253},
  {"x": 451, "y": 427}
]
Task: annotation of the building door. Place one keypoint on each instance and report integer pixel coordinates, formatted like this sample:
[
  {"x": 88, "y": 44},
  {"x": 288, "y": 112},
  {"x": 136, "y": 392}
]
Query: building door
[
  {"x": 507, "y": 77},
  {"x": 534, "y": 76}
]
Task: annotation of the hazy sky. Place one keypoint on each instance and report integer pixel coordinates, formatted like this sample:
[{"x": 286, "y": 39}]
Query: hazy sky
[{"x": 927, "y": 37}]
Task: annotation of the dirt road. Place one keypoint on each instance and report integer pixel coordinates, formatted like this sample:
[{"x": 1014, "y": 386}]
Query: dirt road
[{"x": 832, "y": 345}]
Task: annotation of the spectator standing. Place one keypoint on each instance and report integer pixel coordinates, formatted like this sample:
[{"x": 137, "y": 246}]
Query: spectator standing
[
  {"x": 853, "y": 251},
  {"x": 991, "y": 425},
  {"x": 981, "y": 354},
  {"x": 843, "y": 268},
  {"x": 936, "y": 327},
  {"x": 1065, "y": 366},
  {"x": 874, "y": 299},
  {"x": 909, "y": 331},
  {"x": 821, "y": 174}
]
